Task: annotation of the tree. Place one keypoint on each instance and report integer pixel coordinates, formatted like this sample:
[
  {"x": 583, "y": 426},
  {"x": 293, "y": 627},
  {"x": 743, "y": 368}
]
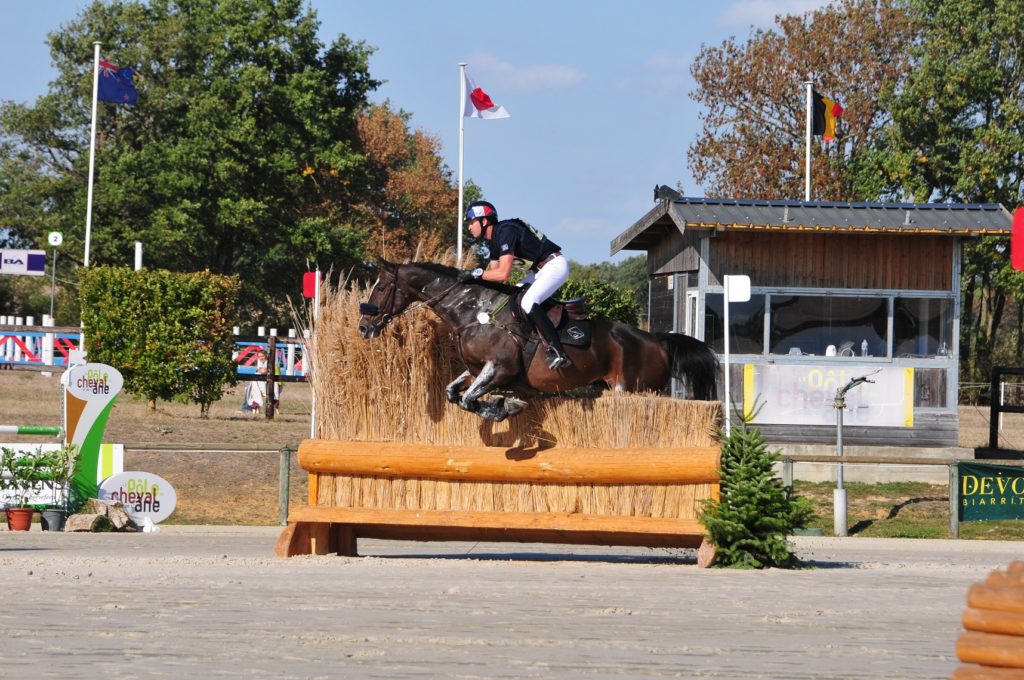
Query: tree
[
  {"x": 247, "y": 154},
  {"x": 411, "y": 205},
  {"x": 604, "y": 300},
  {"x": 957, "y": 135},
  {"x": 750, "y": 523},
  {"x": 753, "y": 142},
  {"x": 628, "y": 275},
  {"x": 169, "y": 334}
]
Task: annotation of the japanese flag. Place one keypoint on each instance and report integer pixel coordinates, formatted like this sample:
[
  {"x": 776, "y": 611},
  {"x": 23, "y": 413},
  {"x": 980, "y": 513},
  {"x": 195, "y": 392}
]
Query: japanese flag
[{"x": 478, "y": 104}]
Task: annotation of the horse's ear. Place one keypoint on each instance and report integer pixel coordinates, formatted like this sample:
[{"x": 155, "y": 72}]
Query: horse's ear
[{"x": 369, "y": 267}]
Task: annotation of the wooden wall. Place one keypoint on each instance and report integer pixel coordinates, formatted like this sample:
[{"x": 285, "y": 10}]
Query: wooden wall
[{"x": 876, "y": 261}]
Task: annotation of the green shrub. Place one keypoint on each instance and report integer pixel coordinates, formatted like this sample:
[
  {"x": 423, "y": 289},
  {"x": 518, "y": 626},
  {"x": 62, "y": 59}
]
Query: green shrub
[
  {"x": 755, "y": 514},
  {"x": 168, "y": 333}
]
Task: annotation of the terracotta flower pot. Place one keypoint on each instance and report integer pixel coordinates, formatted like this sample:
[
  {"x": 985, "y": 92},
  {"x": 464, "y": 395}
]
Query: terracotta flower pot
[{"x": 19, "y": 519}]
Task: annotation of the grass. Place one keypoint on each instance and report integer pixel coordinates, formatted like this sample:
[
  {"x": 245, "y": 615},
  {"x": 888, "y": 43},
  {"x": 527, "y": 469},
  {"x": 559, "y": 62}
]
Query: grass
[{"x": 898, "y": 510}]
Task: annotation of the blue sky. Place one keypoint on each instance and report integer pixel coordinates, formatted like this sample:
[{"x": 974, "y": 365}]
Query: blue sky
[{"x": 598, "y": 92}]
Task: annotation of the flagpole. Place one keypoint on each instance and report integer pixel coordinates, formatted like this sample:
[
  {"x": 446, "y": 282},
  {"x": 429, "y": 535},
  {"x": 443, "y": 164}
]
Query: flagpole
[
  {"x": 462, "y": 135},
  {"x": 92, "y": 149},
  {"x": 807, "y": 156}
]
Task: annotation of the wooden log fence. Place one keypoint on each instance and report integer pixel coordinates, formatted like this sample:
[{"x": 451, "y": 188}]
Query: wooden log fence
[
  {"x": 634, "y": 497},
  {"x": 992, "y": 644}
]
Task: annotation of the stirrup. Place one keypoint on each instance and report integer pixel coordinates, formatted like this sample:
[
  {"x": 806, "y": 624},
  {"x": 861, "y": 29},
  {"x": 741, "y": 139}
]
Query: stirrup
[{"x": 557, "y": 360}]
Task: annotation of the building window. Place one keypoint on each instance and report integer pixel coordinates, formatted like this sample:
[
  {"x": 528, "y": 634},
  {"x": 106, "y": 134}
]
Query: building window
[
  {"x": 922, "y": 327},
  {"x": 661, "y": 305},
  {"x": 746, "y": 324},
  {"x": 819, "y": 325}
]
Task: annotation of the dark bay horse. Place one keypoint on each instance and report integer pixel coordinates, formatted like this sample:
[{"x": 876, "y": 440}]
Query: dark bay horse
[{"x": 493, "y": 345}]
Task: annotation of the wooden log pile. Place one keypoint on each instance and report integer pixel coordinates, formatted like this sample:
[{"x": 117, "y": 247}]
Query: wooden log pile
[{"x": 992, "y": 644}]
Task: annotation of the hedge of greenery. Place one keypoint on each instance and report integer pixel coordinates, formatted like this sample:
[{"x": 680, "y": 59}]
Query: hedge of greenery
[{"x": 168, "y": 333}]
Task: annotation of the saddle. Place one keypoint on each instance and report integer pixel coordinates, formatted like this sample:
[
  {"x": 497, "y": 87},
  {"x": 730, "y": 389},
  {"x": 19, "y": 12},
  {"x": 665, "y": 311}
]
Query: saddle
[{"x": 569, "y": 317}]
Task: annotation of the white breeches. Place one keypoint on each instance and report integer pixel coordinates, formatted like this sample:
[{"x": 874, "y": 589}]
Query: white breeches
[{"x": 545, "y": 282}]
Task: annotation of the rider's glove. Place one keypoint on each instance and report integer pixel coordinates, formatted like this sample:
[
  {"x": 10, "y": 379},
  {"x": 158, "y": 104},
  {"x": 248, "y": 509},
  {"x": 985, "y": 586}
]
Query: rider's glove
[{"x": 467, "y": 275}]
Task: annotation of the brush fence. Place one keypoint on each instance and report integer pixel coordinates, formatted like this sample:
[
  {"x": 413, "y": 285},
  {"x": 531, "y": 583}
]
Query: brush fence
[{"x": 633, "y": 497}]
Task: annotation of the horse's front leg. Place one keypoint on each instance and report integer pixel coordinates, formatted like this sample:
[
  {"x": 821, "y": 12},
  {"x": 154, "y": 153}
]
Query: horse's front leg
[
  {"x": 483, "y": 384},
  {"x": 454, "y": 388}
]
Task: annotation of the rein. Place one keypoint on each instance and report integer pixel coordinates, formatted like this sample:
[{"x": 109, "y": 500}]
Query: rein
[{"x": 387, "y": 317}]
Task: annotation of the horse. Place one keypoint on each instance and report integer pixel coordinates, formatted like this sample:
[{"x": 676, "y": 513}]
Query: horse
[{"x": 500, "y": 354}]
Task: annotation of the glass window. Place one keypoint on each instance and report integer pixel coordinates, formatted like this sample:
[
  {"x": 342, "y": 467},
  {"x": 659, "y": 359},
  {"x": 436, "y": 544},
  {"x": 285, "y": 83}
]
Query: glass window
[
  {"x": 853, "y": 326},
  {"x": 922, "y": 327},
  {"x": 746, "y": 324}
]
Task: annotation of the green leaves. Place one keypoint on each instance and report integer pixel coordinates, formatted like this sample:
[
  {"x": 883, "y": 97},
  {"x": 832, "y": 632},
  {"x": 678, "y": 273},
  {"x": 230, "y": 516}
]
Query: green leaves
[
  {"x": 169, "y": 334},
  {"x": 750, "y": 522}
]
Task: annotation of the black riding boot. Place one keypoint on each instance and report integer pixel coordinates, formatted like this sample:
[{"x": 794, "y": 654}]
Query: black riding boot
[{"x": 556, "y": 356}]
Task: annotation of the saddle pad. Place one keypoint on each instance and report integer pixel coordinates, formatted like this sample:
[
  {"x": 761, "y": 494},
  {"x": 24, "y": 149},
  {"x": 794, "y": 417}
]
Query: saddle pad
[{"x": 575, "y": 333}]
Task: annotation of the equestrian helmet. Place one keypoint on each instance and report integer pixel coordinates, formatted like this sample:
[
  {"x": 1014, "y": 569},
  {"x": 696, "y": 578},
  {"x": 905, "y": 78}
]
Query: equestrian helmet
[{"x": 481, "y": 209}]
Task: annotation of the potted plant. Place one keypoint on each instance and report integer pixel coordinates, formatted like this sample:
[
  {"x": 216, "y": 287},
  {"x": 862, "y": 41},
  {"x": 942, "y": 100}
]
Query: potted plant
[
  {"x": 58, "y": 467},
  {"x": 20, "y": 477}
]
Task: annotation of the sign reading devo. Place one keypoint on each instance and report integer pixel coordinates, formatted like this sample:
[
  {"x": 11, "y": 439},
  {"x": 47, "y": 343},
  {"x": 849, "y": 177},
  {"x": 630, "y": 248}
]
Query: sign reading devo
[{"x": 990, "y": 492}]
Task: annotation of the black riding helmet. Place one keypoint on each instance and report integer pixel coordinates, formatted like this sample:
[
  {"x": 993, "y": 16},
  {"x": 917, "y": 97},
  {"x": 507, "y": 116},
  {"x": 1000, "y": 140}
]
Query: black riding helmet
[{"x": 478, "y": 209}]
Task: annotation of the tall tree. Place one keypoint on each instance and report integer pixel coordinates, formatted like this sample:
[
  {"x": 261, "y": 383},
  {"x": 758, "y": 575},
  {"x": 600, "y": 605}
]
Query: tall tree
[
  {"x": 412, "y": 203},
  {"x": 957, "y": 135},
  {"x": 753, "y": 142},
  {"x": 243, "y": 156}
]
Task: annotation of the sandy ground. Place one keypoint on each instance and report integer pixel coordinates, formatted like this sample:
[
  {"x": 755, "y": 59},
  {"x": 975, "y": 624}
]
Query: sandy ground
[{"x": 215, "y": 602}]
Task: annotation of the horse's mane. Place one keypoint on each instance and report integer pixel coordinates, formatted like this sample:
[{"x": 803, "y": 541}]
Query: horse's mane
[{"x": 452, "y": 272}]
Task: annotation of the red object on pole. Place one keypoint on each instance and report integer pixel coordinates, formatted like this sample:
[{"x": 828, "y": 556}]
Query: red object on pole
[
  {"x": 309, "y": 284},
  {"x": 1017, "y": 240}
]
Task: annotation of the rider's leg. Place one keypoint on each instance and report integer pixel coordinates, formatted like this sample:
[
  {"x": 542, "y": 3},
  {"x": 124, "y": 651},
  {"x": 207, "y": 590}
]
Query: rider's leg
[
  {"x": 556, "y": 355},
  {"x": 546, "y": 282}
]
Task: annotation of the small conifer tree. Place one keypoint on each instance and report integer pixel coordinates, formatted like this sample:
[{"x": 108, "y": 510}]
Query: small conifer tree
[{"x": 750, "y": 522}]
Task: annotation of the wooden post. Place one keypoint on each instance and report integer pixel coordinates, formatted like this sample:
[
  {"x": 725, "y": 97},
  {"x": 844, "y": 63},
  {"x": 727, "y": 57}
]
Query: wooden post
[
  {"x": 954, "y": 495},
  {"x": 271, "y": 385},
  {"x": 284, "y": 481}
]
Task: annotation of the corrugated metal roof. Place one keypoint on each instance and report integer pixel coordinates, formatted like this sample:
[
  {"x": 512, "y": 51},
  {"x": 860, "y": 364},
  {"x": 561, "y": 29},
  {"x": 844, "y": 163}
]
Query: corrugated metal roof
[{"x": 965, "y": 219}]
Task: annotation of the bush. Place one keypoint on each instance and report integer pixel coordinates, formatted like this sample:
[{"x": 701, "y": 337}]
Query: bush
[
  {"x": 750, "y": 523},
  {"x": 169, "y": 334}
]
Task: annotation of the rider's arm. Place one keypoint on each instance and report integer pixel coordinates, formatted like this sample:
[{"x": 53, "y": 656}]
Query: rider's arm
[{"x": 500, "y": 269}]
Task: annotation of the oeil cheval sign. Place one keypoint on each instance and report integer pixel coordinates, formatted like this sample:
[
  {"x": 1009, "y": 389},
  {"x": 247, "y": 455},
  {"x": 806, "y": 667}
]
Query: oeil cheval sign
[{"x": 25, "y": 262}]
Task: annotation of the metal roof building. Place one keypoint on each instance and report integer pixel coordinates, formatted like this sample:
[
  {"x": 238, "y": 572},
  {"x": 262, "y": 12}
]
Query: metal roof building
[
  {"x": 970, "y": 219},
  {"x": 838, "y": 290}
]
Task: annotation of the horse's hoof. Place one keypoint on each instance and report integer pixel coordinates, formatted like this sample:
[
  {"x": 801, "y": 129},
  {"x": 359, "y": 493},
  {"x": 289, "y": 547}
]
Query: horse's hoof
[{"x": 514, "y": 406}]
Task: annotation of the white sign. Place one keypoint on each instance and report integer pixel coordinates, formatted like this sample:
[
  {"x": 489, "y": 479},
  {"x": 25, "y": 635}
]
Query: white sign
[
  {"x": 805, "y": 395},
  {"x": 143, "y": 494},
  {"x": 738, "y": 287},
  {"x": 24, "y": 262},
  {"x": 55, "y": 238}
]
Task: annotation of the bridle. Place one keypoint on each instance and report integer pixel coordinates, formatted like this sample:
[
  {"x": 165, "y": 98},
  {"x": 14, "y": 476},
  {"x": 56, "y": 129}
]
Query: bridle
[{"x": 389, "y": 315}]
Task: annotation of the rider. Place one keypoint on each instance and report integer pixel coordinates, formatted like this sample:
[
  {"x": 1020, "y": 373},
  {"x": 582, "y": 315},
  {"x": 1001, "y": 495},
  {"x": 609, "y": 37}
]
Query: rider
[{"x": 514, "y": 242}]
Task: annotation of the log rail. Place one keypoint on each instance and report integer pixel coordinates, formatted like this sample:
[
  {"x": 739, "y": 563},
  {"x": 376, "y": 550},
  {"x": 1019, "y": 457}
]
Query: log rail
[{"x": 633, "y": 497}]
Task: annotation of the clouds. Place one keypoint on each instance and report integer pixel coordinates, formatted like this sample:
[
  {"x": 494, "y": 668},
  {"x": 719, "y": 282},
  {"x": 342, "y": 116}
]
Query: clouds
[
  {"x": 524, "y": 78},
  {"x": 762, "y": 13}
]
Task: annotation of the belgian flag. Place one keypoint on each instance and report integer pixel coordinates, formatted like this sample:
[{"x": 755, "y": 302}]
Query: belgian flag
[{"x": 826, "y": 113}]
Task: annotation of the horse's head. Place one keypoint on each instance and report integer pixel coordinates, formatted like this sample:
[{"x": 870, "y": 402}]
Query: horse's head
[{"x": 387, "y": 299}]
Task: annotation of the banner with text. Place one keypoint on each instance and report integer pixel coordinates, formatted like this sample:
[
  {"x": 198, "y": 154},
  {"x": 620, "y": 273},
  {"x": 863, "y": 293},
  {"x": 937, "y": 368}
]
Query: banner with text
[
  {"x": 989, "y": 492},
  {"x": 805, "y": 395}
]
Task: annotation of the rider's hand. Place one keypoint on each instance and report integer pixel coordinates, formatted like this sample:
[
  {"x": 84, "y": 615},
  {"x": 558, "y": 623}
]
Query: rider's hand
[{"x": 467, "y": 275}]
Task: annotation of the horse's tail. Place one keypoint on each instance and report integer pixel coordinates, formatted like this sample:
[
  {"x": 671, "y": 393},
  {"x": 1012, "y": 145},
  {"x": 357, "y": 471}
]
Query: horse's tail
[{"x": 694, "y": 362}]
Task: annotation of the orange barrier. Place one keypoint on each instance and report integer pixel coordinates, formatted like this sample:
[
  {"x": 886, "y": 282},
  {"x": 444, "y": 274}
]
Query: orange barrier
[
  {"x": 642, "y": 497},
  {"x": 993, "y": 639}
]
